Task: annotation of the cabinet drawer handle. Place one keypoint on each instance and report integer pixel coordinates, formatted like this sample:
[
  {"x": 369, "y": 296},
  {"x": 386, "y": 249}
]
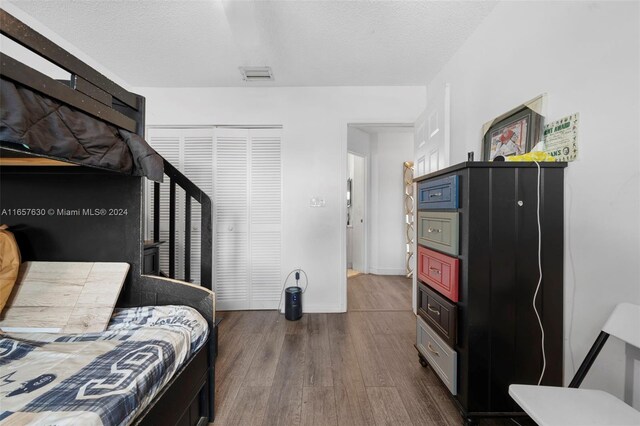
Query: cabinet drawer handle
[
  {"x": 434, "y": 270},
  {"x": 436, "y": 230},
  {"x": 436, "y": 194},
  {"x": 433, "y": 351},
  {"x": 435, "y": 311}
]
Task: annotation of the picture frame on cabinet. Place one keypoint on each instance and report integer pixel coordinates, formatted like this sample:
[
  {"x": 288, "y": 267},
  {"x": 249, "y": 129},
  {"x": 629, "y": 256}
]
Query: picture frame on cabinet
[
  {"x": 516, "y": 131},
  {"x": 515, "y": 134}
]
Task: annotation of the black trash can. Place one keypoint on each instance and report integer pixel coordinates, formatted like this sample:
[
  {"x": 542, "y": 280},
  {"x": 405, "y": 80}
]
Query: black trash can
[{"x": 293, "y": 303}]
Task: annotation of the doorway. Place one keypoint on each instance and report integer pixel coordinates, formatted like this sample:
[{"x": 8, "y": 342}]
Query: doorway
[{"x": 374, "y": 217}]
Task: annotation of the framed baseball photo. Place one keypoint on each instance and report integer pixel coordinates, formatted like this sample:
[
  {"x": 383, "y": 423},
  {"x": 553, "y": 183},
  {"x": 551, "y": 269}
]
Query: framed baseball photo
[{"x": 515, "y": 134}]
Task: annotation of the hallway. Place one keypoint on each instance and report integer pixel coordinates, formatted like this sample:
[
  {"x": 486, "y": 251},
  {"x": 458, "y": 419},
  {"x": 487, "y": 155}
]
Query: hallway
[{"x": 356, "y": 368}]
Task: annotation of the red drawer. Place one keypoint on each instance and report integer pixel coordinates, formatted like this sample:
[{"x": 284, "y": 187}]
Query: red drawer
[{"x": 439, "y": 271}]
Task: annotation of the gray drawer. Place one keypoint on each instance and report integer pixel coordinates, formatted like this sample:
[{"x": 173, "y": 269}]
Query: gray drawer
[
  {"x": 441, "y": 357},
  {"x": 439, "y": 230}
]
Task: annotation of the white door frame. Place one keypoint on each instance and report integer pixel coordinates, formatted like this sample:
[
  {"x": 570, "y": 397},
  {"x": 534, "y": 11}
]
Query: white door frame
[{"x": 344, "y": 131}]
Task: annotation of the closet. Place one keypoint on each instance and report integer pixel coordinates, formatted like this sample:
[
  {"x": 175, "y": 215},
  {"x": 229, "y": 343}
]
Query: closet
[{"x": 241, "y": 169}]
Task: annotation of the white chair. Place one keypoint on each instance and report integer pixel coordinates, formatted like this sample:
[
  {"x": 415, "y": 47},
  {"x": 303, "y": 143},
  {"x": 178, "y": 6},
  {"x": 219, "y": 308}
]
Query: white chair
[{"x": 554, "y": 406}]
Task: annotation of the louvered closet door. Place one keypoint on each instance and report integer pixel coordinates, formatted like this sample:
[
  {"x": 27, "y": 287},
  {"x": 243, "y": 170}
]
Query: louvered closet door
[
  {"x": 248, "y": 205},
  {"x": 231, "y": 260},
  {"x": 168, "y": 143},
  {"x": 265, "y": 217},
  {"x": 198, "y": 164}
]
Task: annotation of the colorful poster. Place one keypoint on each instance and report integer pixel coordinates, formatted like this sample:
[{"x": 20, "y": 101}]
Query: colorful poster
[{"x": 561, "y": 138}]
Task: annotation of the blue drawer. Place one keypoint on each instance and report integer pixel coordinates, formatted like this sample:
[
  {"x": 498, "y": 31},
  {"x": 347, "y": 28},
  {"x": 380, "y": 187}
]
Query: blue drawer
[{"x": 438, "y": 193}]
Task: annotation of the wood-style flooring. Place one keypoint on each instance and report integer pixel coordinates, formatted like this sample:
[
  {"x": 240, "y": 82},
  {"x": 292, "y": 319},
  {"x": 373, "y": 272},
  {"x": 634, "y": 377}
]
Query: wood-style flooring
[
  {"x": 356, "y": 368},
  {"x": 352, "y": 273}
]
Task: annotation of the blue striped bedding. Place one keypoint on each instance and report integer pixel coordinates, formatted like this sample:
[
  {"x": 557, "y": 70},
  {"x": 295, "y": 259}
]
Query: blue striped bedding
[{"x": 98, "y": 378}]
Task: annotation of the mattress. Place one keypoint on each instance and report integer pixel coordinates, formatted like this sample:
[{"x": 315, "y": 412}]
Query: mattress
[
  {"x": 102, "y": 378},
  {"x": 48, "y": 127}
]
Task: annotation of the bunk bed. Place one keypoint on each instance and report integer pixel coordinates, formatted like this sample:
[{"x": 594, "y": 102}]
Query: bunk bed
[{"x": 79, "y": 144}]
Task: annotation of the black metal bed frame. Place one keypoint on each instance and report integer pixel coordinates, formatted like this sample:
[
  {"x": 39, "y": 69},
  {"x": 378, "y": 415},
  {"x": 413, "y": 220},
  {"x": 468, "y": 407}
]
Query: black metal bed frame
[{"x": 91, "y": 92}]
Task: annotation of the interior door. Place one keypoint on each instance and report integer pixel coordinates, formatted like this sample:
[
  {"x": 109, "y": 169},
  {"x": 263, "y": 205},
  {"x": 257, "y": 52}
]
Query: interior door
[
  {"x": 265, "y": 214},
  {"x": 432, "y": 133},
  {"x": 231, "y": 209},
  {"x": 248, "y": 218},
  {"x": 358, "y": 214}
]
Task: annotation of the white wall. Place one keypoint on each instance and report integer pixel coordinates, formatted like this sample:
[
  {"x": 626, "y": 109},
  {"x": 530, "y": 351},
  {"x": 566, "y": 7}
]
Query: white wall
[
  {"x": 314, "y": 121},
  {"x": 359, "y": 141},
  {"x": 389, "y": 151},
  {"x": 585, "y": 55}
]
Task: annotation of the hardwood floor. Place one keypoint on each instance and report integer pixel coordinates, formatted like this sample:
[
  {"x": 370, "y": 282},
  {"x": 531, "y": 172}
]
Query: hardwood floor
[
  {"x": 378, "y": 293},
  {"x": 357, "y": 368}
]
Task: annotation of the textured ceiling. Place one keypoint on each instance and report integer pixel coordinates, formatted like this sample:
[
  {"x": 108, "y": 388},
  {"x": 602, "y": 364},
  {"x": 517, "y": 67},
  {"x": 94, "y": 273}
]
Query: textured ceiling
[{"x": 316, "y": 43}]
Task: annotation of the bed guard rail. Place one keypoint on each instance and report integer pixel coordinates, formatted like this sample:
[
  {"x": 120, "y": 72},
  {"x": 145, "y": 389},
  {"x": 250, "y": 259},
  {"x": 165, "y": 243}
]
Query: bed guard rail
[
  {"x": 86, "y": 90},
  {"x": 192, "y": 192}
]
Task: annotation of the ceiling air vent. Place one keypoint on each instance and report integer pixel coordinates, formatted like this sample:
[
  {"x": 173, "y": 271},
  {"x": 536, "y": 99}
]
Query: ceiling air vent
[{"x": 256, "y": 73}]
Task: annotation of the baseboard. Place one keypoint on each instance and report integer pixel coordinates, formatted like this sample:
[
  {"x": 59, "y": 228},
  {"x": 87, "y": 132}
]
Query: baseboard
[
  {"x": 311, "y": 308},
  {"x": 387, "y": 271},
  {"x": 319, "y": 309}
]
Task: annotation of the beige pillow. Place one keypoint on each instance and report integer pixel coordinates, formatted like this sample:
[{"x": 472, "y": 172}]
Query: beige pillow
[{"x": 9, "y": 264}]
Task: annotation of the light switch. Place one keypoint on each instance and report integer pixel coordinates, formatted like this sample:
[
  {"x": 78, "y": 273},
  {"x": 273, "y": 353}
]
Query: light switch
[{"x": 317, "y": 202}]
